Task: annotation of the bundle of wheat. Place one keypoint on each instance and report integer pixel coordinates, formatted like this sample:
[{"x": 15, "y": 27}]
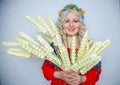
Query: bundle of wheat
[{"x": 86, "y": 58}]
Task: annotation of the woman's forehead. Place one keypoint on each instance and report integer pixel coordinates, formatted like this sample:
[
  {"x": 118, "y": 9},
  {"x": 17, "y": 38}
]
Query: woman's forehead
[{"x": 71, "y": 15}]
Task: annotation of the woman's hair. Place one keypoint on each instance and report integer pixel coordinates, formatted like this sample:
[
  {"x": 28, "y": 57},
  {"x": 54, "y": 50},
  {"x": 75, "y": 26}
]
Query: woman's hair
[{"x": 61, "y": 20}]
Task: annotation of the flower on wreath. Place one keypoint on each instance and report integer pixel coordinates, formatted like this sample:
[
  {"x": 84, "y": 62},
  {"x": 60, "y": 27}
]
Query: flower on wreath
[{"x": 73, "y": 7}]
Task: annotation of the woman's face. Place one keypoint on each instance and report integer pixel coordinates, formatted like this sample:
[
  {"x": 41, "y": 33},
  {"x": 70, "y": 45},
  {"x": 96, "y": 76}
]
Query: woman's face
[{"x": 71, "y": 24}]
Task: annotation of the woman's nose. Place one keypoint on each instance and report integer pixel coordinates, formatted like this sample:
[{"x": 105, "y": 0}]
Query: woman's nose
[{"x": 71, "y": 24}]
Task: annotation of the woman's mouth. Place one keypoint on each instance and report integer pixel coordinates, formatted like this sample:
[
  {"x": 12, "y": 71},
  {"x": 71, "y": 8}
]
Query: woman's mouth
[{"x": 71, "y": 30}]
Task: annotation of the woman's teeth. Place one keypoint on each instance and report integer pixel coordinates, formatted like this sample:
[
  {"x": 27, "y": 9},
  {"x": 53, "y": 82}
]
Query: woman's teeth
[{"x": 71, "y": 30}]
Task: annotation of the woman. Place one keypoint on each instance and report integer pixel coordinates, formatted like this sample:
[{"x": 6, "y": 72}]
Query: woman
[{"x": 70, "y": 23}]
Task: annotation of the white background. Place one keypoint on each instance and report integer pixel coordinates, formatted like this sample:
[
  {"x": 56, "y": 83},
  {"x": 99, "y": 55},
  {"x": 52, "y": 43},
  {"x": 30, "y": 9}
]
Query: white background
[{"x": 102, "y": 17}]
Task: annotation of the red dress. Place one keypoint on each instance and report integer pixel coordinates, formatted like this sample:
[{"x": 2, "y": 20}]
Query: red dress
[{"x": 92, "y": 76}]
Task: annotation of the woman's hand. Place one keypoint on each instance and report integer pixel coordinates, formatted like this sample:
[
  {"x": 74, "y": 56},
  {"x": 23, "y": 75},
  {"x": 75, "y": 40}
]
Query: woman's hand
[
  {"x": 76, "y": 79},
  {"x": 70, "y": 77},
  {"x": 64, "y": 75}
]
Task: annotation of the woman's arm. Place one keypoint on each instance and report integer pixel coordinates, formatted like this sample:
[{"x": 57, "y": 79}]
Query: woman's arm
[
  {"x": 50, "y": 73},
  {"x": 48, "y": 70},
  {"x": 92, "y": 76}
]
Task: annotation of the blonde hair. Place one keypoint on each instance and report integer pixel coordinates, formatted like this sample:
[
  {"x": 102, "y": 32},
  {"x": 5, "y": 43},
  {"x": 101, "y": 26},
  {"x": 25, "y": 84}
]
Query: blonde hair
[{"x": 60, "y": 24}]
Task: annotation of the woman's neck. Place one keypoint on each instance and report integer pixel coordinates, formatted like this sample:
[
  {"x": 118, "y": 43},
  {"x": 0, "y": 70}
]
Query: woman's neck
[{"x": 69, "y": 41}]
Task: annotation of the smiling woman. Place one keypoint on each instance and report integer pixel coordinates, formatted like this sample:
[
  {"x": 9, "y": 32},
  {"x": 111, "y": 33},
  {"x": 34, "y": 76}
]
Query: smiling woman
[{"x": 70, "y": 23}]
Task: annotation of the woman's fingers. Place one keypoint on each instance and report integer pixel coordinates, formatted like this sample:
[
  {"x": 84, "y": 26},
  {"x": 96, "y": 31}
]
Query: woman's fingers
[
  {"x": 71, "y": 77},
  {"x": 75, "y": 79}
]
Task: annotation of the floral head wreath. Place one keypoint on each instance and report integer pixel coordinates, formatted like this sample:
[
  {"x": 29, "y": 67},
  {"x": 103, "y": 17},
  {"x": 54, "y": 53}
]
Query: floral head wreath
[{"x": 73, "y": 7}]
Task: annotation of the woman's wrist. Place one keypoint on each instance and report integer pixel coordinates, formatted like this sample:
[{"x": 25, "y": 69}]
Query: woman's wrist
[{"x": 57, "y": 74}]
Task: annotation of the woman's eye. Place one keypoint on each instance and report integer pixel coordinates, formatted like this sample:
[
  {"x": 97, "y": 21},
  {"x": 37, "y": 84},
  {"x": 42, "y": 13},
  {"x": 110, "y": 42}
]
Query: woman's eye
[
  {"x": 76, "y": 21},
  {"x": 66, "y": 21}
]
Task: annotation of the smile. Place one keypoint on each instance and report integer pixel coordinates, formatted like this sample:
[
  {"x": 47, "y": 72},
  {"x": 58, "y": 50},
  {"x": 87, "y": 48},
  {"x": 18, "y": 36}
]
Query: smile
[{"x": 71, "y": 30}]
